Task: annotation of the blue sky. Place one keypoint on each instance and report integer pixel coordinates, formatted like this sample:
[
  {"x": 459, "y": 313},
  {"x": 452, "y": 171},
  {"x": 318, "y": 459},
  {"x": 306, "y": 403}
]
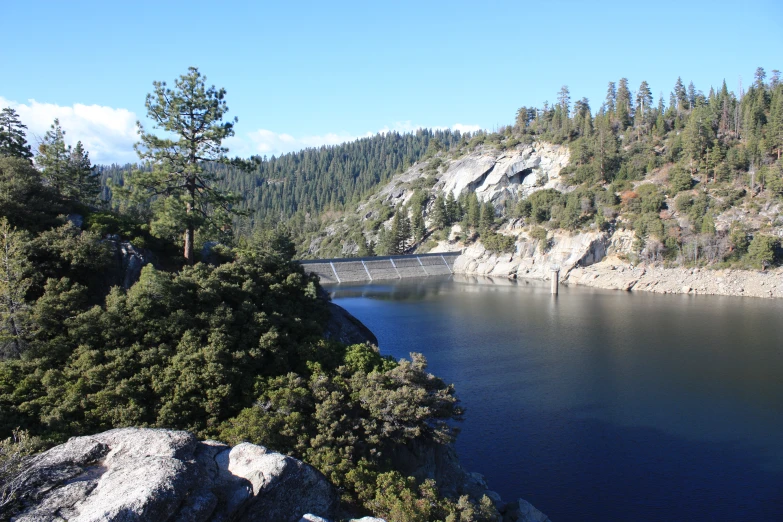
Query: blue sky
[{"x": 307, "y": 73}]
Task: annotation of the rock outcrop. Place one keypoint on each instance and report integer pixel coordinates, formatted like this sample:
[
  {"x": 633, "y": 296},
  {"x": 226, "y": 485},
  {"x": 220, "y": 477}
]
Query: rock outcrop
[
  {"x": 530, "y": 261},
  {"x": 128, "y": 260},
  {"x": 515, "y": 173},
  {"x": 596, "y": 259},
  {"x": 136, "y": 474},
  {"x": 345, "y": 328}
]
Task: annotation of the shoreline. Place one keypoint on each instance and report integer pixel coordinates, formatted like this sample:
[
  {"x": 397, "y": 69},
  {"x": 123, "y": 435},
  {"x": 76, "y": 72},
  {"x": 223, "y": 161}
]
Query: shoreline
[{"x": 696, "y": 281}]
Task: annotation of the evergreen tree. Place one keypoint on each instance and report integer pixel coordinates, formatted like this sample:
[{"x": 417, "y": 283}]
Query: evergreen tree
[
  {"x": 472, "y": 210},
  {"x": 681, "y": 96},
  {"x": 440, "y": 218},
  {"x": 188, "y": 196},
  {"x": 400, "y": 232},
  {"x": 487, "y": 219},
  {"x": 417, "y": 224},
  {"x": 775, "y": 126},
  {"x": 611, "y": 98},
  {"x": 84, "y": 178},
  {"x": 698, "y": 135},
  {"x": 13, "y": 139},
  {"x": 67, "y": 169},
  {"x": 453, "y": 213},
  {"x": 644, "y": 101},
  {"x": 54, "y": 158},
  {"x": 623, "y": 104}
]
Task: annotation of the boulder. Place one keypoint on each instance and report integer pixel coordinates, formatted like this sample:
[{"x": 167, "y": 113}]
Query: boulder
[
  {"x": 523, "y": 511},
  {"x": 347, "y": 329},
  {"x": 134, "y": 474}
]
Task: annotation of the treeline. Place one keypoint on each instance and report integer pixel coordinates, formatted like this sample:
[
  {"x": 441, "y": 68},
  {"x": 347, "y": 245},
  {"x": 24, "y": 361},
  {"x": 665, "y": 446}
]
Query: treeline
[{"x": 316, "y": 180}]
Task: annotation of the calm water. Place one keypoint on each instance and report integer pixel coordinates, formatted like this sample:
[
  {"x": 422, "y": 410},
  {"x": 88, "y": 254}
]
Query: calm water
[{"x": 601, "y": 405}]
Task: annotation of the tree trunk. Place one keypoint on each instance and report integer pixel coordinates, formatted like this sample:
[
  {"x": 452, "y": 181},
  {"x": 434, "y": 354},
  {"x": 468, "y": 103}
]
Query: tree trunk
[{"x": 190, "y": 257}]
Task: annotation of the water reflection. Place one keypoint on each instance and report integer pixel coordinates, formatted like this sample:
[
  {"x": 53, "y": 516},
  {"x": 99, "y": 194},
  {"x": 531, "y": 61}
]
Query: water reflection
[{"x": 616, "y": 397}]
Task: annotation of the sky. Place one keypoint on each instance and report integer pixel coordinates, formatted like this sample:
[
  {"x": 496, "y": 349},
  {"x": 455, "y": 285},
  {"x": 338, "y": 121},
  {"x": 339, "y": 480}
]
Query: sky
[{"x": 303, "y": 74}]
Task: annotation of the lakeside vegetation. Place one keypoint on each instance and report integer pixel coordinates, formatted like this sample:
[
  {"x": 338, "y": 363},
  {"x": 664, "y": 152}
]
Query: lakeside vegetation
[{"x": 229, "y": 348}]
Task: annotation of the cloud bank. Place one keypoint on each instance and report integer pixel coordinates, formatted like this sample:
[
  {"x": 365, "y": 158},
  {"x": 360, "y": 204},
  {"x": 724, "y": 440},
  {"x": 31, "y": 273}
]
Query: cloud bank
[
  {"x": 109, "y": 133},
  {"x": 266, "y": 142}
]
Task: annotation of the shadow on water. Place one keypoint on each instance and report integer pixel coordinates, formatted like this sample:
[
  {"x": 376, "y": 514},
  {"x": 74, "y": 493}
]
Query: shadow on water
[
  {"x": 583, "y": 469},
  {"x": 601, "y": 405}
]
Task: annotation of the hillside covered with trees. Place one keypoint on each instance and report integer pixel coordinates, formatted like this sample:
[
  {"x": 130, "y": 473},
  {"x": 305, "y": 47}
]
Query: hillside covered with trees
[
  {"x": 698, "y": 178},
  {"x": 230, "y": 348}
]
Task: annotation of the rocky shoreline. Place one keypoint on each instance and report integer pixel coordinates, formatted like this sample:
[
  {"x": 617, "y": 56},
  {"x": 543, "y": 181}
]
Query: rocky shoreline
[
  {"x": 598, "y": 260},
  {"x": 616, "y": 275}
]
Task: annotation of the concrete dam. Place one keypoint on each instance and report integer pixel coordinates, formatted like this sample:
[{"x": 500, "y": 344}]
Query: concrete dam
[{"x": 360, "y": 269}]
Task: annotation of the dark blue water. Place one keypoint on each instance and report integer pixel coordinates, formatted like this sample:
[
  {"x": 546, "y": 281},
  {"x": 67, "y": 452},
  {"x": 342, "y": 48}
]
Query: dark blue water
[{"x": 602, "y": 405}]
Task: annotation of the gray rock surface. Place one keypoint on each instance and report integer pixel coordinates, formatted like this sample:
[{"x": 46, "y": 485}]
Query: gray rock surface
[
  {"x": 345, "y": 328},
  {"x": 496, "y": 176},
  {"x": 136, "y": 474},
  {"x": 129, "y": 260},
  {"x": 523, "y": 511}
]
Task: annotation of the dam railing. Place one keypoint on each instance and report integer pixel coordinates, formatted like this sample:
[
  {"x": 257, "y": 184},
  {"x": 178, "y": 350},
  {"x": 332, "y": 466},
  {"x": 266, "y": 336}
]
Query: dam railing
[{"x": 360, "y": 269}]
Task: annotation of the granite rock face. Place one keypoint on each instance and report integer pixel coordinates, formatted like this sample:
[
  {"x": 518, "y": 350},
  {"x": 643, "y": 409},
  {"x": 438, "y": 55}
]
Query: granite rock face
[
  {"x": 134, "y": 474},
  {"x": 496, "y": 176}
]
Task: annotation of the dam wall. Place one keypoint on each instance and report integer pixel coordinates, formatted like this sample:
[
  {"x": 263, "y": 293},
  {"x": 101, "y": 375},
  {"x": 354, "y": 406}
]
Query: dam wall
[{"x": 366, "y": 269}]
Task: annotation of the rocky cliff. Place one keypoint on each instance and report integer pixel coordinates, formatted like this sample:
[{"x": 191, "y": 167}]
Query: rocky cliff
[
  {"x": 498, "y": 175},
  {"x": 494, "y": 175}
]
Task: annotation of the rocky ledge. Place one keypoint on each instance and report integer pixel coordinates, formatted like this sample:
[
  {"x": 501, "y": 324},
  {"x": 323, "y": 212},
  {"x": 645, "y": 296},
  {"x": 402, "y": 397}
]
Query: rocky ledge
[
  {"x": 598, "y": 260},
  {"x": 616, "y": 274},
  {"x": 135, "y": 474},
  {"x": 161, "y": 475}
]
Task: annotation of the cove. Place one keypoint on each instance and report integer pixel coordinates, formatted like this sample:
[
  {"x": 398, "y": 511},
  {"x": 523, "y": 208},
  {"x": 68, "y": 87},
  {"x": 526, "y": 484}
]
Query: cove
[{"x": 601, "y": 405}]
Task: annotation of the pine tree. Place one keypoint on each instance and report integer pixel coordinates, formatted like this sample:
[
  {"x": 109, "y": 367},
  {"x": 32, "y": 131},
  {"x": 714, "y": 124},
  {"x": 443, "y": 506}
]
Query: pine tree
[
  {"x": 453, "y": 213},
  {"x": 681, "y": 96},
  {"x": 417, "y": 224},
  {"x": 623, "y": 104},
  {"x": 188, "y": 196},
  {"x": 67, "y": 169},
  {"x": 54, "y": 158},
  {"x": 644, "y": 101},
  {"x": 472, "y": 210},
  {"x": 697, "y": 136},
  {"x": 13, "y": 139},
  {"x": 775, "y": 124},
  {"x": 487, "y": 219},
  {"x": 84, "y": 179},
  {"x": 440, "y": 217},
  {"x": 611, "y": 98}
]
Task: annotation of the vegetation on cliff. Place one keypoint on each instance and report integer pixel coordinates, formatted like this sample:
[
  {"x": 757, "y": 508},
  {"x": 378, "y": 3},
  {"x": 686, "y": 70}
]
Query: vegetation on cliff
[{"x": 231, "y": 348}]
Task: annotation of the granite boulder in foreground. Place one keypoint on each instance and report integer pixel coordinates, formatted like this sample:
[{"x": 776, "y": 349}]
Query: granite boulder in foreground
[{"x": 133, "y": 474}]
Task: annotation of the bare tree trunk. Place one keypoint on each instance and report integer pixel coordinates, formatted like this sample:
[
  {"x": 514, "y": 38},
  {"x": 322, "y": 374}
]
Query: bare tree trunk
[{"x": 190, "y": 257}]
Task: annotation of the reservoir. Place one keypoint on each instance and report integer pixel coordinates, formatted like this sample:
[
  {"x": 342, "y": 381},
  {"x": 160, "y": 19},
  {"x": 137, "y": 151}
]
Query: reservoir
[{"x": 601, "y": 405}]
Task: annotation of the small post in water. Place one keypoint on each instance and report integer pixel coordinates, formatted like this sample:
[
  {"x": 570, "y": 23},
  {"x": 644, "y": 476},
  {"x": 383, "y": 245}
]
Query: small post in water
[{"x": 555, "y": 279}]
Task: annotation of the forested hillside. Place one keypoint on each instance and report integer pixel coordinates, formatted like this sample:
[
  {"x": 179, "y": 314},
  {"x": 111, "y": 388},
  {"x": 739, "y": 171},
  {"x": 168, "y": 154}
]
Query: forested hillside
[
  {"x": 704, "y": 153},
  {"x": 698, "y": 178},
  {"x": 300, "y": 186},
  {"x": 230, "y": 348}
]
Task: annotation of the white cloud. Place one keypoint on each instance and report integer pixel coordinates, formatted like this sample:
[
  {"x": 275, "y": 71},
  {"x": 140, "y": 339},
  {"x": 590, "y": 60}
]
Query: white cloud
[
  {"x": 266, "y": 142},
  {"x": 465, "y": 128},
  {"x": 108, "y": 134}
]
